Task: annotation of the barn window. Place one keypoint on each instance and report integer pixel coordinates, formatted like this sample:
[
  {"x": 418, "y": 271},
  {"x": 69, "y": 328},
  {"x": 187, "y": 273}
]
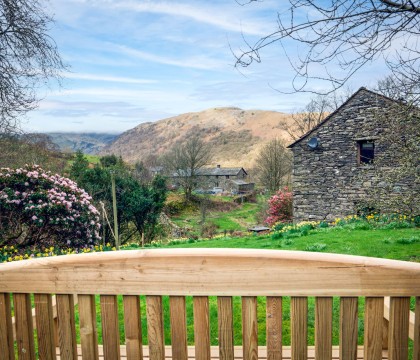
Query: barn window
[{"x": 366, "y": 151}]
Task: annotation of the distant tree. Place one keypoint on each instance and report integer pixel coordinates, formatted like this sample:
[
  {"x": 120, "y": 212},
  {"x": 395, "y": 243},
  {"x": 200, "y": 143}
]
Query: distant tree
[
  {"x": 137, "y": 204},
  {"x": 79, "y": 166},
  {"x": 314, "y": 112},
  {"x": 18, "y": 150},
  {"x": 186, "y": 159},
  {"x": 29, "y": 57},
  {"x": 273, "y": 165}
]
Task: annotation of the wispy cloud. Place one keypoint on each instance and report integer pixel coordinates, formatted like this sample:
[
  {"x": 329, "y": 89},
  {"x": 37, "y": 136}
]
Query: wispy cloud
[
  {"x": 107, "y": 78},
  {"x": 215, "y": 15},
  {"x": 193, "y": 62}
]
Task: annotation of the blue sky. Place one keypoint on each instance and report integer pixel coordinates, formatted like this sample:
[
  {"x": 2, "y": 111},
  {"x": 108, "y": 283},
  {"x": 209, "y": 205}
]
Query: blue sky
[{"x": 132, "y": 61}]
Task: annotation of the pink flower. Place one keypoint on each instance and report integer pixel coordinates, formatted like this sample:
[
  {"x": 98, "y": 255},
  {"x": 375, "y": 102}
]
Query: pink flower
[{"x": 34, "y": 218}]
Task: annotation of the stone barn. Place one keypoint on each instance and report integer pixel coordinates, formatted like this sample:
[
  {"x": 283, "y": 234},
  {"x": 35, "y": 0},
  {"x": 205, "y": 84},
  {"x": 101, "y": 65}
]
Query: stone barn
[{"x": 334, "y": 163}]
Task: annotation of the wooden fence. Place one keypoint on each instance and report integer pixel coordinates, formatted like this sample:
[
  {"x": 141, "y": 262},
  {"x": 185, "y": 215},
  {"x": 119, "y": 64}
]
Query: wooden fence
[{"x": 177, "y": 273}]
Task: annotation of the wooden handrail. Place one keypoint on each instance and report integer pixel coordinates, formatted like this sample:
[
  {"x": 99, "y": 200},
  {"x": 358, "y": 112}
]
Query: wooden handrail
[
  {"x": 202, "y": 273},
  {"x": 220, "y": 272}
]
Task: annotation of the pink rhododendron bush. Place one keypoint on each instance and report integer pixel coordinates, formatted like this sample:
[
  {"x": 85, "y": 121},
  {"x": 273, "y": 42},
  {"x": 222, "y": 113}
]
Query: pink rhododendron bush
[
  {"x": 41, "y": 209},
  {"x": 280, "y": 207}
]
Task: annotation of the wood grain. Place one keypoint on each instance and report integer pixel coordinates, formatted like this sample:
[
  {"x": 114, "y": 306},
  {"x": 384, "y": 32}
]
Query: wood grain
[
  {"x": 416, "y": 331},
  {"x": 374, "y": 313},
  {"x": 24, "y": 327},
  {"x": 204, "y": 273},
  {"x": 399, "y": 319},
  {"x": 201, "y": 328},
  {"x": 274, "y": 327},
  {"x": 249, "y": 328},
  {"x": 323, "y": 328},
  {"x": 225, "y": 323},
  {"x": 88, "y": 331},
  {"x": 348, "y": 328},
  {"x": 178, "y": 327},
  {"x": 110, "y": 327},
  {"x": 132, "y": 324},
  {"x": 45, "y": 326},
  {"x": 66, "y": 327},
  {"x": 6, "y": 330},
  {"x": 155, "y": 327},
  {"x": 299, "y": 327}
]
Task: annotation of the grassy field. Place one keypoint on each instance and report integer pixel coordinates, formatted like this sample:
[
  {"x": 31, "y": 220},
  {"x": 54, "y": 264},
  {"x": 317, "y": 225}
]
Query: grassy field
[{"x": 222, "y": 213}]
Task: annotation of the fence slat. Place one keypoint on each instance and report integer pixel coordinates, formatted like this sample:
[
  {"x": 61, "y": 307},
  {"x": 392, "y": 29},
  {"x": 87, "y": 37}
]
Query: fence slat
[
  {"x": 416, "y": 332},
  {"x": 66, "y": 327},
  {"x": 225, "y": 322},
  {"x": 201, "y": 328},
  {"x": 24, "y": 327},
  {"x": 374, "y": 313},
  {"x": 274, "y": 328},
  {"x": 88, "y": 331},
  {"x": 299, "y": 328},
  {"x": 323, "y": 328},
  {"x": 155, "y": 327},
  {"x": 399, "y": 319},
  {"x": 45, "y": 326},
  {"x": 132, "y": 324},
  {"x": 249, "y": 328},
  {"x": 178, "y": 327},
  {"x": 348, "y": 328},
  {"x": 110, "y": 328},
  {"x": 6, "y": 329}
]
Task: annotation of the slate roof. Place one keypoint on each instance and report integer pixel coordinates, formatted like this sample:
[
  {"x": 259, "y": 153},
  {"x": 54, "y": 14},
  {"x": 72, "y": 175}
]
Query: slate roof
[
  {"x": 216, "y": 171},
  {"x": 220, "y": 171}
]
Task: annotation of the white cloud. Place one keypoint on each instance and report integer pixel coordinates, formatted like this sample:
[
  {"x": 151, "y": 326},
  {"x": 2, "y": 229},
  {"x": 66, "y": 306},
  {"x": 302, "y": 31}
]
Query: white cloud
[
  {"x": 107, "y": 78},
  {"x": 216, "y": 15},
  {"x": 201, "y": 62}
]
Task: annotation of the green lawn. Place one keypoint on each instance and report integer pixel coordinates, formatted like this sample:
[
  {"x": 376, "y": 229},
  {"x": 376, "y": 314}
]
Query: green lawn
[{"x": 399, "y": 244}]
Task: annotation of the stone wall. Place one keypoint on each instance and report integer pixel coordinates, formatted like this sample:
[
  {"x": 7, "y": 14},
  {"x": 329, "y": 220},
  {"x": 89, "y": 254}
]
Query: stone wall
[{"x": 328, "y": 182}]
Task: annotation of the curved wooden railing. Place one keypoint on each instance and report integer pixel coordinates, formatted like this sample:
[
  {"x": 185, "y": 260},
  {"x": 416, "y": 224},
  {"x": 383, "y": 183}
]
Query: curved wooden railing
[{"x": 201, "y": 273}]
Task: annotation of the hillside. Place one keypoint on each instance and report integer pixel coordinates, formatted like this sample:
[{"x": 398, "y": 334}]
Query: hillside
[
  {"x": 89, "y": 143},
  {"x": 236, "y": 135}
]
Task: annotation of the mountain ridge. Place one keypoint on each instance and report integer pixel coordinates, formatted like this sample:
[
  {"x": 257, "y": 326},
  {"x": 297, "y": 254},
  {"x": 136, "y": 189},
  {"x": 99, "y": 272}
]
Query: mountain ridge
[{"x": 236, "y": 135}]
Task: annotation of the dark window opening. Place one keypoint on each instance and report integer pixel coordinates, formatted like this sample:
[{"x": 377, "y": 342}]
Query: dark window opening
[
  {"x": 366, "y": 149},
  {"x": 227, "y": 176}
]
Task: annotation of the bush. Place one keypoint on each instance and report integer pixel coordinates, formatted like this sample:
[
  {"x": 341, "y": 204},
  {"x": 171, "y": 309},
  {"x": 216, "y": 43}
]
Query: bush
[
  {"x": 41, "y": 209},
  {"x": 280, "y": 207}
]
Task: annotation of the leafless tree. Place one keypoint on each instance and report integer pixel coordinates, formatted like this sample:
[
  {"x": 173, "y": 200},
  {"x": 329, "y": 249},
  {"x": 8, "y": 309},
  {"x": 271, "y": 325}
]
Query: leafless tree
[
  {"x": 18, "y": 150},
  {"x": 28, "y": 58},
  {"x": 396, "y": 185},
  {"x": 273, "y": 165},
  {"x": 313, "y": 113},
  {"x": 347, "y": 33},
  {"x": 186, "y": 159}
]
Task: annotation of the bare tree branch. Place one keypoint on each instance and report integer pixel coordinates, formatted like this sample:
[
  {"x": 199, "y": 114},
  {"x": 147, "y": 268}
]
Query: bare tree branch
[
  {"x": 28, "y": 58},
  {"x": 346, "y": 33}
]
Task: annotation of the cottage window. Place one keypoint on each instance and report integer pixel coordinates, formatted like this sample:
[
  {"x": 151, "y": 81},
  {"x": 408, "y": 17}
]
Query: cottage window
[
  {"x": 366, "y": 151},
  {"x": 227, "y": 176}
]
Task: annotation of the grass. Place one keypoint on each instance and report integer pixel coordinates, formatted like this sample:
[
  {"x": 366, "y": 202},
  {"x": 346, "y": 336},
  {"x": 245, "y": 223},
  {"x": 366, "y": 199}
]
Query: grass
[
  {"x": 235, "y": 217},
  {"x": 399, "y": 244}
]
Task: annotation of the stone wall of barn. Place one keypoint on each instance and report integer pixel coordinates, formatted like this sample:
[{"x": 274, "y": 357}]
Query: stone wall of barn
[{"x": 329, "y": 182}]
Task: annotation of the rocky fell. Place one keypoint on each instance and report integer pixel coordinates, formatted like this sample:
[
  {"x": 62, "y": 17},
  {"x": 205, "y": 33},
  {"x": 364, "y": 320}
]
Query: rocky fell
[{"x": 236, "y": 135}]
